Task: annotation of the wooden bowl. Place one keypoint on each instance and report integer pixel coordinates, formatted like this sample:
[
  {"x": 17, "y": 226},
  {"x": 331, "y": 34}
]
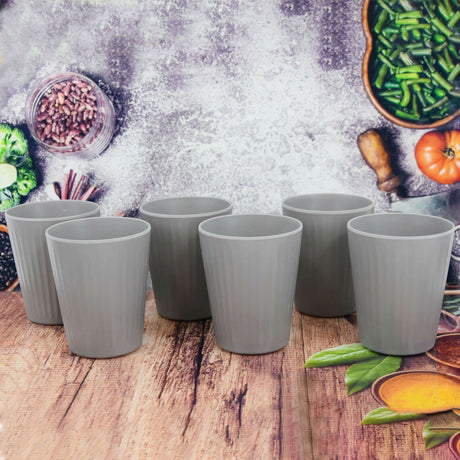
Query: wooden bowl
[
  {"x": 370, "y": 93},
  {"x": 14, "y": 284}
]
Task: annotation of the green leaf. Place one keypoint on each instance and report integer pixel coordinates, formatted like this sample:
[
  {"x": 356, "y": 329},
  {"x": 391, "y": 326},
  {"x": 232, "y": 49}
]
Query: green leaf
[
  {"x": 433, "y": 436},
  {"x": 383, "y": 415},
  {"x": 344, "y": 354},
  {"x": 363, "y": 375}
]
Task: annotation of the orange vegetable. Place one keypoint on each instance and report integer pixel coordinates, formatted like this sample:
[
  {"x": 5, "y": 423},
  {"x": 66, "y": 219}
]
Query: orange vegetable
[{"x": 438, "y": 156}]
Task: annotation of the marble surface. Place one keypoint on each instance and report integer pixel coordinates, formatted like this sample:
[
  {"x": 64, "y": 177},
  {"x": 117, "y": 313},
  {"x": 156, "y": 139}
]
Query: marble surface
[{"x": 251, "y": 100}]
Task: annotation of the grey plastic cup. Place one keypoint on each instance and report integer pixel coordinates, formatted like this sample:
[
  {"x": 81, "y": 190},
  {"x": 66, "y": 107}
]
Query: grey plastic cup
[
  {"x": 100, "y": 267},
  {"x": 251, "y": 266},
  {"x": 399, "y": 265},
  {"x": 324, "y": 284},
  {"x": 27, "y": 224},
  {"x": 176, "y": 264}
]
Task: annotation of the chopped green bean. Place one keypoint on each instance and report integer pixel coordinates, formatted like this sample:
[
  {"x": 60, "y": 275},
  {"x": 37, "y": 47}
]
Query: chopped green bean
[
  {"x": 385, "y": 41},
  {"x": 394, "y": 92},
  {"x": 448, "y": 8},
  {"x": 415, "y": 106},
  {"x": 386, "y": 7},
  {"x": 453, "y": 51},
  {"x": 429, "y": 98},
  {"x": 386, "y": 61},
  {"x": 381, "y": 21},
  {"x": 406, "y": 94},
  {"x": 421, "y": 52},
  {"x": 443, "y": 82},
  {"x": 441, "y": 27},
  {"x": 418, "y": 81},
  {"x": 455, "y": 93},
  {"x": 407, "y": 116},
  {"x": 407, "y": 76},
  {"x": 437, "y": 104},
  {"x": 410, "y": 68},
  {"x": 454, "y": 73},
  {"x": 393, "y": 100},
  {"x": 443, "y": 12},
  {"x": 410, "y": 14},
  {"x": 453, "y": 20},
  {"x": 381, "y": 76}
]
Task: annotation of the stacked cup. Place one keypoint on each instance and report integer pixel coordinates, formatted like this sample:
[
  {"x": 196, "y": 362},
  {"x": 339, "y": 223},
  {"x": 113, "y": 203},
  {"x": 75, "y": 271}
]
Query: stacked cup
[{"x": 329, "y": 251}]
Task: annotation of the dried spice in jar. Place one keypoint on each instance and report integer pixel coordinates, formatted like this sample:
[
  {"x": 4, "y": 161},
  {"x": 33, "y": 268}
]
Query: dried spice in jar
[{"x": 69, "y": 114}]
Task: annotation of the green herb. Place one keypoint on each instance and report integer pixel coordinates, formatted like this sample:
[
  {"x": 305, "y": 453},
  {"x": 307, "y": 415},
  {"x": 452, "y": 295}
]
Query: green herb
[
  {"x": 383, "y": 415},
  {"x": 363, "y": 375},
  {"x": 344, "y": 354},
  {"x": 433, "y": 436}
]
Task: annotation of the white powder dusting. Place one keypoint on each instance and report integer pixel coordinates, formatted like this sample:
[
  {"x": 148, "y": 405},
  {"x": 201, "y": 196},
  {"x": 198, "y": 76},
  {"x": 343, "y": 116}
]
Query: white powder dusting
[{"x": 242, "y": 100}]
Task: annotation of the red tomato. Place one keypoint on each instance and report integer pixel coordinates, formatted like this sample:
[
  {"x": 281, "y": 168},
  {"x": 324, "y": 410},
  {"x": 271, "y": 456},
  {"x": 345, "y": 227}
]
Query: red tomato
[{"x": 438, "y": 156}]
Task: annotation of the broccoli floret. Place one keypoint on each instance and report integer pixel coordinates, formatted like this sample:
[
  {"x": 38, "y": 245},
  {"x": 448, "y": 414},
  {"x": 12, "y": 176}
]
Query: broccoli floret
[
  {"x": 26, "y": 181},
  {"x": 5, "y": 129},
  {"x": 13, "y": 145},
  {"x": 9, "y": 197}
]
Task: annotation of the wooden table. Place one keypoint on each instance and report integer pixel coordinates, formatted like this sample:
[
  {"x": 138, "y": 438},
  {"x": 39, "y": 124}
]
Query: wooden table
[{"x": 181, "y": 397}]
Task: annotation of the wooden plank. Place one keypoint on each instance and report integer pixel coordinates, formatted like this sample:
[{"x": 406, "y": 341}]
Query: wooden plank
[
  {"x": 179, "y": 396},
  {"x": 38, "y": 379},
  {"x": 338, "y": 415}
]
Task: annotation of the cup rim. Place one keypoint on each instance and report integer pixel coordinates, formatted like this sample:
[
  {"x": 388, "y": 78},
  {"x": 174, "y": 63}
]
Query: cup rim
[
  {"x": 202, "y": 231},
  {"x": 382, "y": 236},
  {"x": 368, "y": 207},
  {"x": 75, "y": 241},
  {"x": 227, "y": 208},
  {"x": 10, "y": 213}
]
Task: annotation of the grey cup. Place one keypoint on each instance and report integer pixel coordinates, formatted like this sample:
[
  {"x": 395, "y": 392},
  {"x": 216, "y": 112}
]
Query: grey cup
[
  {"x": 100, "y": 268},
  {"x": 27, "y": 224},
  {"x": 176, "y": 264},
  {"x": 399, "y": 265},
  {"x": 251, "y": 266},
  {"x": 324, "y": 284}
]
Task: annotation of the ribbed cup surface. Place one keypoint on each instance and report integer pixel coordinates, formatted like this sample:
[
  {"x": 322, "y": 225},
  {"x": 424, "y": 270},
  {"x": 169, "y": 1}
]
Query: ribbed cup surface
[
  {"x": 31, "y": 257},
  {"x": 101, "y": 289},
  {"x": 399, "y": 287},
  {"x": 324, "y": 283},
  {"x": 176, "y": 263},
  {"x": 251, "y": 286}
]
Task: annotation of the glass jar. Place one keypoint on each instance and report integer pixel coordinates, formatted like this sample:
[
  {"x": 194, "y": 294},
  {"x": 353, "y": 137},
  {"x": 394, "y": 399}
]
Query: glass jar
[{"x": 69, "y": 115}]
